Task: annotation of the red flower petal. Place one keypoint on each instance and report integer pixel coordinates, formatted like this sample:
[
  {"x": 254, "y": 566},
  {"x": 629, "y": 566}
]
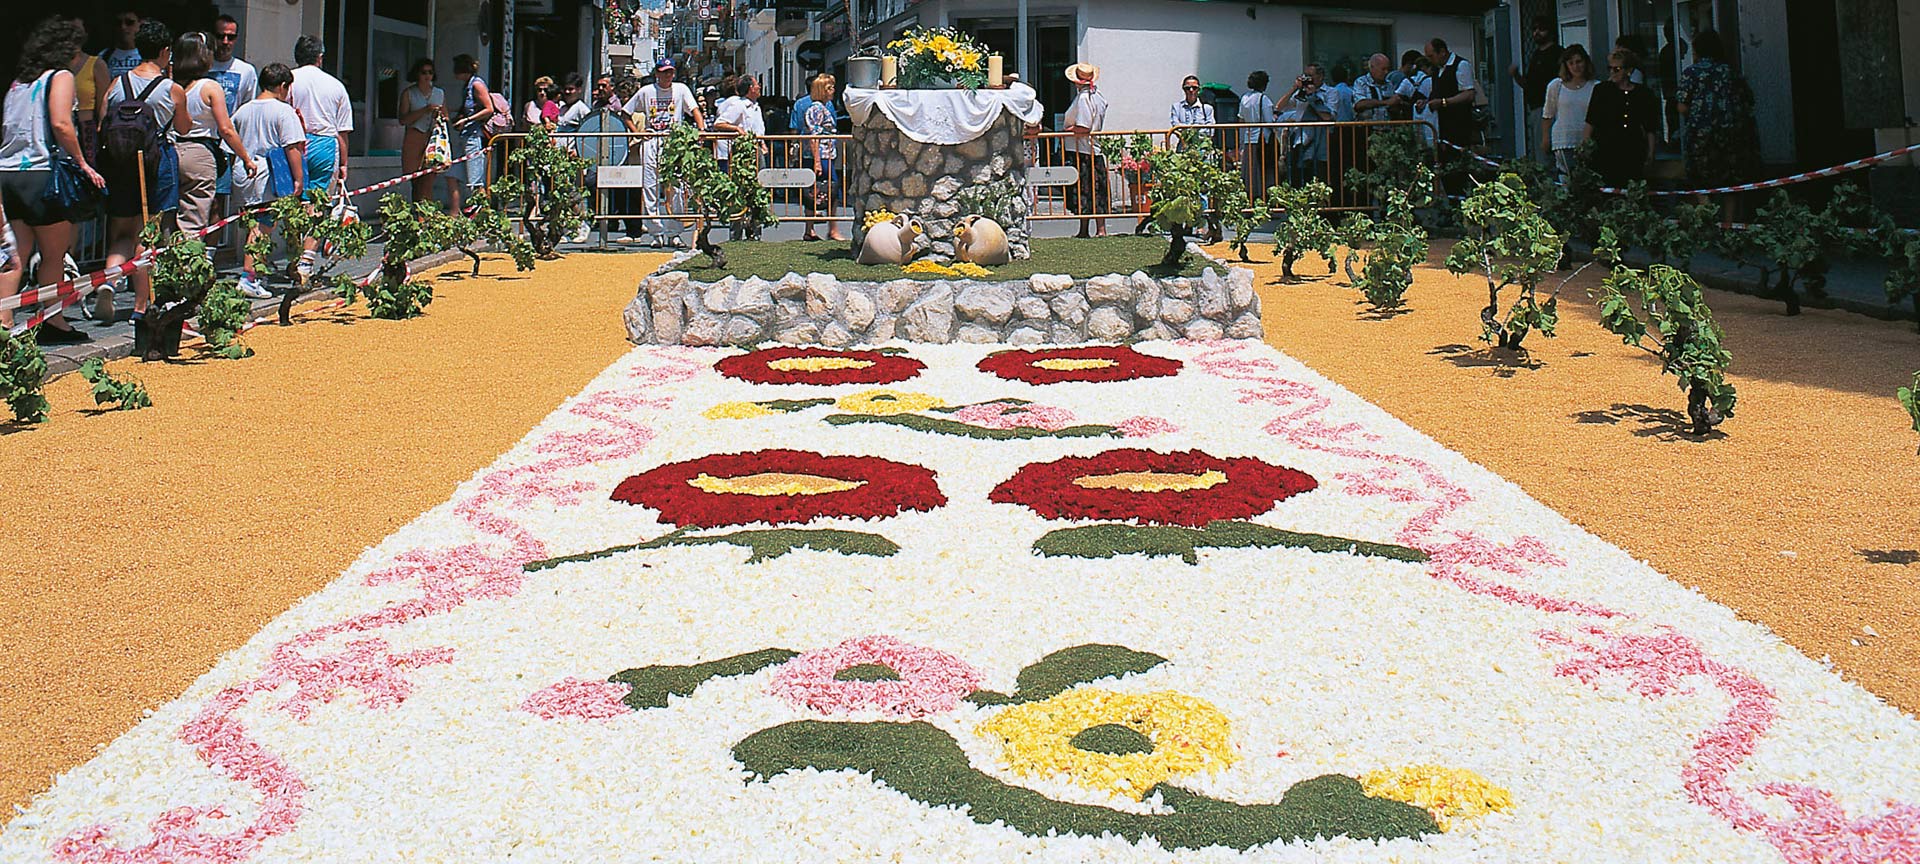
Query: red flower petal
[
  {"x": 1127, "y": 364},
  {"x": 886, "y": 488},
  {"x": 1251, "y": 488},
  {"x": 757, "y": 366}
]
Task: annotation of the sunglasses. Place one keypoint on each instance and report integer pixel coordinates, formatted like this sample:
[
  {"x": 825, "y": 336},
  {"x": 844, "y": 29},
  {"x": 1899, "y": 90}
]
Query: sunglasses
[
  {"x": 1189, "y": 87},
  {"x": 129, "y": 22},
  {"x": 226, "y": 37}
]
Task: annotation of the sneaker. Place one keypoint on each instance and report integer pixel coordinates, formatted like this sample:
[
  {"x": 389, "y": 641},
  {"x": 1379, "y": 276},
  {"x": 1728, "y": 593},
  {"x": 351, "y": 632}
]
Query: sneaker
[
  {"x": 251, "y": 287},
  {"x": 676, "y": 242},
  {"x": 103, "y": 310},
  {"x": 581, "y": 236}
]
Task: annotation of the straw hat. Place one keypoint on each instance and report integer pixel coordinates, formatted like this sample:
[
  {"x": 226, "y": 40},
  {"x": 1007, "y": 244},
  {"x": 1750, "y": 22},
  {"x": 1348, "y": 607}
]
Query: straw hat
[{"x": 1083, "y": 73}]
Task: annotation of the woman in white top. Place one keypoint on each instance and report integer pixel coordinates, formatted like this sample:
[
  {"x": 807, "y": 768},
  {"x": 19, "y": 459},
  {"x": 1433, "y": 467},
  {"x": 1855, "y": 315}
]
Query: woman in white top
[
  {"x": 1563, "y": 123},
  {"x": 208, "y": 125},
  {"x": 38, "y": 117},
  {"x": 422, "y": 106}
]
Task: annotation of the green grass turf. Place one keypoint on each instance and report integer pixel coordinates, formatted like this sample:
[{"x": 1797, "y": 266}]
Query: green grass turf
[{"x": 1080, "y": 259}]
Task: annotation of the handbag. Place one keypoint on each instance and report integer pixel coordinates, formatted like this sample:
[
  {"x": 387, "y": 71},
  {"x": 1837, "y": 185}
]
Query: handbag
[
  {"x": 68, "y": 189},
  {"x": 439, "y": 148}
]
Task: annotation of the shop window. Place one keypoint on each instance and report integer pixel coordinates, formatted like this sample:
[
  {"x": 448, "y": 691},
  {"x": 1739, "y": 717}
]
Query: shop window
[{"x": 1346, "y": 44}]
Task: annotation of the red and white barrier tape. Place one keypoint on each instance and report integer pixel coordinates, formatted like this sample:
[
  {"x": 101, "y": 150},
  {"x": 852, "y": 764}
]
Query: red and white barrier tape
[
  {"x": 1789, "y": 180},
  {"x": 62, "y": 294}
]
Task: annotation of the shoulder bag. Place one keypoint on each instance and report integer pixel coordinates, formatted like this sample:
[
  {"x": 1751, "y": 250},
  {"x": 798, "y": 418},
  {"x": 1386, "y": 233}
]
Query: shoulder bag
[{"x": 68, "y": 188}]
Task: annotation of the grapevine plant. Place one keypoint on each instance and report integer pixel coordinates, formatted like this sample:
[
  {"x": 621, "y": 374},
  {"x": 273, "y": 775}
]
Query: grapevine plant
[
  {"x": 1188, "y": 183},
  {"x": 182, "y": 275},
  {"x": 1662, "y": 310},
  {"x": 1392, "y": 246},
  {"x": 127, "y": 395},
  {"x": 416, "y": 230},
  {"x": 1910, "y": 399},
  {"x": 1302, "y": 227},
  {"x": 23, "y": 372},
  {"x": 1510, "y": 243},
  {"x": 550, "y": 187},
  {"x": 296, "y": 218},
  {"x": 733, "y": 196},
  {"x": 222, "y": 315}
]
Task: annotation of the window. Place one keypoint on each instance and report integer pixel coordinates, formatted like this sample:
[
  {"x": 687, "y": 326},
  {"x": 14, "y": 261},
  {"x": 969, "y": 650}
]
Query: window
[{"x": 1346, "y": 45}]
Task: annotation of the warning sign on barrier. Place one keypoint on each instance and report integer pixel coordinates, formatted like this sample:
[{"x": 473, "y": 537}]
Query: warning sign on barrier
[
  {"x": 1053, "y": 175},
  {"x": 787, "y": 178}
]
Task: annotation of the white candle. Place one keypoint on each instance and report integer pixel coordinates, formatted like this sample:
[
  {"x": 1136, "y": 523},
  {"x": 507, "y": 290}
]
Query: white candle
[
  {"x": 995, "y": 65},
  {"x": 889, "y": 70}
]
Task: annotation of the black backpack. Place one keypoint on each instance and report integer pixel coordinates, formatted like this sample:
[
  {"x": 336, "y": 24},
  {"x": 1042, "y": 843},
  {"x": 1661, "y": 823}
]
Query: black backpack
[{"x": 131, "y": 129}]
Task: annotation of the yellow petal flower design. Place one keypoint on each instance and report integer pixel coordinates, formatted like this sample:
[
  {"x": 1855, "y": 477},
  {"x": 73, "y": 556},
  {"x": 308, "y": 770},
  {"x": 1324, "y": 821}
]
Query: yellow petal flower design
[
  {"x": 1446, "y": 793},
  {"x": 1187, "y": 735},
  {"x": 737, "y": 411},
  {"x": 883, "y": 402}
]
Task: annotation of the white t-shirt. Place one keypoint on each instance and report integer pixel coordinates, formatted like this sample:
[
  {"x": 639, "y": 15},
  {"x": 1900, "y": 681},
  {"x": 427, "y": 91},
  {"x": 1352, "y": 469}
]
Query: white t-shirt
[
  {"x": 1089, "y": 109},
  {"x": 1416, "y": 89},
  {"x": 410, "y": 101},
  {"x": 1567, "y": 107},
  {"x": 658, "y": 111},
  {"x": 238, "y": 78},
  {"x": 321, "y": 100},
  {"x": 571, "y": 117},
  {"x": 264, "y": 124},
  {"x": 23, "y": 140},
  {"x": 742, "y": 112},
  {"x": 120, "y": 61},
  {"x": 1256, "y": 107},
  {"x": 1463, "y": 72}
]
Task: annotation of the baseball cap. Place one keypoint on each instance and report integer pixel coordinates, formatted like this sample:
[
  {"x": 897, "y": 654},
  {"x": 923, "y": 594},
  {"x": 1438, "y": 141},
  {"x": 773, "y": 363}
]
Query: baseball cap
[{"x": 665, "y": 63}]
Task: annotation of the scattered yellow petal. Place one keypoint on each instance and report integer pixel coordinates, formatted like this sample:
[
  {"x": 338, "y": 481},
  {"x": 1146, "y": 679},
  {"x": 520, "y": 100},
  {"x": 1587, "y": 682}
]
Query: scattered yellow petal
[
  {"x": 1152, "y": 481},
  {"x": 1446, "y": 793},
  {"x": 884, "y": 402},
  {"x": 773, "y": 483},
  {"x": 1074, "y": 364}
]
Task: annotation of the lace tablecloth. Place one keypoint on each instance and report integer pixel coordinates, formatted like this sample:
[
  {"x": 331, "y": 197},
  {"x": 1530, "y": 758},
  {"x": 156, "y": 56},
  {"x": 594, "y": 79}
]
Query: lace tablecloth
[{"x": 945, "y": 116}]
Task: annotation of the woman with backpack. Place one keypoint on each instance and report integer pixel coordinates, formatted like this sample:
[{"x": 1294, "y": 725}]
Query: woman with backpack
[
  {"x": 472, "y": 120},
  {"x": 202, "y": 160},
  {"x": 145, "y": 111},
  {"x": 36, "y": 118}
]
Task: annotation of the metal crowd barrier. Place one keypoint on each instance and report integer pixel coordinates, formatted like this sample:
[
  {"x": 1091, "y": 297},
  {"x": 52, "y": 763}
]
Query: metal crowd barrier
[{"x": 1263, "y": 154}]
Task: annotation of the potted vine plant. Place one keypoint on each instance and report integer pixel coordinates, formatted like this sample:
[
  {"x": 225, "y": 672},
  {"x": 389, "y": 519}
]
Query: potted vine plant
[
  {"x": 182, "y": 275},
  {"x": 551, "y": 188}
]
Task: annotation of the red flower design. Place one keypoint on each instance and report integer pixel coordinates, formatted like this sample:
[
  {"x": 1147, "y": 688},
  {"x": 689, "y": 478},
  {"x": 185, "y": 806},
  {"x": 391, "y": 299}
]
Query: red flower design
[
  {"x": 1088, "y": 363},
  {"x": 1149, "y": 488},
  {"x": 780, "y": 487},
  {"x": 819, "y": 366}
]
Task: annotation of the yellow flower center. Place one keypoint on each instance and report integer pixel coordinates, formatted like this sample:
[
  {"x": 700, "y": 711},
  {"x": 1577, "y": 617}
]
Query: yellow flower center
[
  {"x": 737, "y": 411},
  {"x": 1446, "y": 793},
  {"x": 772, "y": 483},
  {"x": 1071, "y": 364},
  {"x": 1152, "y": 481},
  {"x": 817, "y": 364},
  {"x": 885, "y": 402}
]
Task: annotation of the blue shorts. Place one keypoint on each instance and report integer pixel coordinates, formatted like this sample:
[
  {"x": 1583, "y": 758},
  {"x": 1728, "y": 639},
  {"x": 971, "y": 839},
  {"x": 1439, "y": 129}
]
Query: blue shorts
[
  {"x": 323, "y": 158},
  {"x": 468, "y": 141}
]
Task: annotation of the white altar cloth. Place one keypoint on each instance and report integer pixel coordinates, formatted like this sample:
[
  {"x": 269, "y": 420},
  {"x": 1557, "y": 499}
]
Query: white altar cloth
[{"x": 945, "y": 116}]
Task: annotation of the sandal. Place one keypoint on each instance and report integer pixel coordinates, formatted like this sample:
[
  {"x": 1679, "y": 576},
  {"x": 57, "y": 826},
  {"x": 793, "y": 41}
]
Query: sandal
[{"x": 810, "y": 237}]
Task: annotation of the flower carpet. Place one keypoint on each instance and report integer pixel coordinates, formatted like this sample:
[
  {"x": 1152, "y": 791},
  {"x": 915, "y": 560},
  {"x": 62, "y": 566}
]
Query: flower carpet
[{"x": 965, "y": 603}]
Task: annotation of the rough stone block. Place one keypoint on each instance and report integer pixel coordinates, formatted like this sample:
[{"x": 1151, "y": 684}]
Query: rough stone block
[
  {"x": 1176, "y": 311},
  {"x": 930, "y": 319},
  {"x": 1071, "y": 308},
  {"x": 1213, "y": 295},
  {"x": 1160, "y": 331},
  {"x": 792, "y": 285},
  {"x": 1204, "y": 330},
  {"x": 1181, "y": 288},
  {"x": 897, "y": 295},
  {"x": 914, "y": 186},
  {"x": 823, "y": 295},
  {"x": 705, "y": 331},
  {"x": 1146, "y": 303},
  {"x": 1109, "y": 324},
  {"x": 1033, "y": 307},
  {"x": 1109, "y": 289},
  {"x": 946, "y": 187},
  {"x": 886, "y": 186},
  {"x": 754, "y": 297},
  {"x": 638, "y": 316},
  {"x": 1046, "y": 283},
  {"x": 742, "y": 330},
  {"x": 667, "y": 320},
  {"x": 1240, "y": 288},
  {"x": 974, "y": 150},
  {"x": 981, "y": 301},
  {"x": 1027, "y": 336},
  {"x": 975, "y": 334},
  {"x": 856, "y": 310},
  {"x": 1246, "y": 327},
  {"x": 929, "y": 161},
  {"x": 799, "y": 333},
  {"x": 835, "y": 336},
  {"x": 1064, "y": 334}
]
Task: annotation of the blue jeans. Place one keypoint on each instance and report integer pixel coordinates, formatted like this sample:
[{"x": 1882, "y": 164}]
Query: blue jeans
[{"x": 470, "y": 140}]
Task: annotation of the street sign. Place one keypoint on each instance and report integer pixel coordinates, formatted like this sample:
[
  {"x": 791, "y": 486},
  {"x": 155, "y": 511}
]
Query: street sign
[
  {"x": 811, "y": 55},
  {"x": 1055, "y": 175},
  {"x": 787, "y": 178}
]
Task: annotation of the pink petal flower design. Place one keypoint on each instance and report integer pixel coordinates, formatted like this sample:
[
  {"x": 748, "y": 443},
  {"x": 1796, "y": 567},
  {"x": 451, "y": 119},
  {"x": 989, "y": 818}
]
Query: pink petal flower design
[
  {"x": 578, "y": 698},
  {"x": 929, "y": 682},
  {"x": 1000, "y": 414},
  {"x": 1146, "y": 427}
]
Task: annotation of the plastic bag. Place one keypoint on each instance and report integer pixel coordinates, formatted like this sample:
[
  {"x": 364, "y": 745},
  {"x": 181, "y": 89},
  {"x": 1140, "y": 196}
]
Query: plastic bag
[
  {"x": 439, "y": 148},
  {"x": 344, "y": 213}
]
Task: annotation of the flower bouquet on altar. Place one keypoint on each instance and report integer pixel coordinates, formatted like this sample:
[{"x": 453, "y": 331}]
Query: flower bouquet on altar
[{"x": 938, "y": 58}]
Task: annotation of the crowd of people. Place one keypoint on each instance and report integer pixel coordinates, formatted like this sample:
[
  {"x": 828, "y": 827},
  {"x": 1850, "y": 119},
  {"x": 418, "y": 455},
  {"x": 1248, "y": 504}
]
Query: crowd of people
[{"x": 173, "y": 126}]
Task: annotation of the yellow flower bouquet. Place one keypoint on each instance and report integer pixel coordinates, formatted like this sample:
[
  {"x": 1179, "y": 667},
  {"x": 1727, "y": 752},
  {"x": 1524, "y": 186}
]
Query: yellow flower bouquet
[{"x": 937, "y": 58}]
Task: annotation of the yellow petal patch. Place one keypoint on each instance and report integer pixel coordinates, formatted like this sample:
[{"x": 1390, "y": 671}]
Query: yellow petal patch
[
  {"x": 884, "y": 402},
  {"x": 1074, "y": 364},
  {"x": 1447, "y": 793},
  {"x": 1151, "y": 481},
  {"x": 817, "y": 364},
  {"x": 1189, "y": 735},
  {"x": 771, "y": 483},
  {"x": 737, "y": 411}
]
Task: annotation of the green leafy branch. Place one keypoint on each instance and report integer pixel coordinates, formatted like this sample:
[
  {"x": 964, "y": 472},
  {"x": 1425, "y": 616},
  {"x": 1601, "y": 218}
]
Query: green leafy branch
[
  {"x": 127, "y": 395},
  {"x": 23, "y": 374},
  {"x": 1663, "y": 311},
  {"x": 1910, "y": 399},
  {"x": 1392, "y": 247},
  {"x": 1190, "y": 184},
  {"x": 222, "y": 315},
  {"x": 549, "y": 187},
  {"x": 1303, "y": 228},
  {"x": 733, "y": 196},
  {"x": 1512, "y": 245}
]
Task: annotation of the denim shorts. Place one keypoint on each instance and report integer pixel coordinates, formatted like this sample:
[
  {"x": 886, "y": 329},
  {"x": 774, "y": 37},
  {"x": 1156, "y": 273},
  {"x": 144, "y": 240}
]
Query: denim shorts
[{"x": 469, "y": 141}]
